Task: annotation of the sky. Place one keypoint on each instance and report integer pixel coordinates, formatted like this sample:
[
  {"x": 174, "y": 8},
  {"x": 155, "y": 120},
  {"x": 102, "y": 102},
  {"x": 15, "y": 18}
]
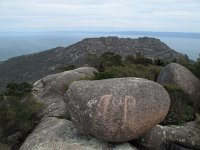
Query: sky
[{"x": 100, "y": 15}]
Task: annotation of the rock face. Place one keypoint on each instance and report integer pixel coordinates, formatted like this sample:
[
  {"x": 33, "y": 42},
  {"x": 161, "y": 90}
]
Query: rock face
[
  {"x": 183, "y": 78},
  {"x": 36, "y": 66},
  {"x": 187, "y": 135},
  {"x": 50, "y": 90},
  {"x": 60, "y": 134},
  {"x": 118, "y": 109}
]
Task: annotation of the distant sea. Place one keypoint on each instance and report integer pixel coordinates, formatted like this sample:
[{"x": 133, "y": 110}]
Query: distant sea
[{"x": 21, "y": 43}]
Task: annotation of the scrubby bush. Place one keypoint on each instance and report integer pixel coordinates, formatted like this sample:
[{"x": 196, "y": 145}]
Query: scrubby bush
[
  {"x": 196, "y": 70},
  {"x": 18, "y": 89},
  {"x": 19, "y": 113},
  {"x": 93, "y": 60},
  {"x": 181, "y": 108},
  {"x": 159, "y": 62},
  {"x": 194, "y": 67},
  {"x": 107, "y": 59},
  {"x": 140, "y": 71},
  {"x": 112, "y": 65},
  {"x": 139, "y": 59},
  {"x": 67, "y": 68}
]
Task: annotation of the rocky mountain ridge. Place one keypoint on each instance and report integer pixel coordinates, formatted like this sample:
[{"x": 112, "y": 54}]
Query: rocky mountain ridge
[{"x": 35, "y": 66}]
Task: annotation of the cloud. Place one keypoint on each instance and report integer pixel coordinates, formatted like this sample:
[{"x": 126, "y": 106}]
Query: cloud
[{"x": 155, "y": 15}]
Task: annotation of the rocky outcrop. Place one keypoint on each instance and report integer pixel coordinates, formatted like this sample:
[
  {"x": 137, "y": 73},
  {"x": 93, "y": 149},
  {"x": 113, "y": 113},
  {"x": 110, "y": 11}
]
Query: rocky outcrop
[
  {"x": 183, "y": 78},
  {"x": 60, "y": 134},
  {"x": 149, "y": 47},
  {"x": 118, "y": 109},
  {"x": 50, "y": 89},
  {"x": 36, "y": 66},
  {"x": 187, "y": 135}
]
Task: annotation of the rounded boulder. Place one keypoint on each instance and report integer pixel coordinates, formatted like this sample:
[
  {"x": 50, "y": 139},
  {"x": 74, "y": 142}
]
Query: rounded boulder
[
  {"x": 118, "y": 109},
  {"x": 183, "y": 78},
  {"x": 50, "y": 90}
]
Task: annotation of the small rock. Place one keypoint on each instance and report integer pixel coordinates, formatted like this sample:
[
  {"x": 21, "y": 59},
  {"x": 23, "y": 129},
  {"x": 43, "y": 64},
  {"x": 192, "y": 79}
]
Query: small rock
[{"x": 187, "y": 135}]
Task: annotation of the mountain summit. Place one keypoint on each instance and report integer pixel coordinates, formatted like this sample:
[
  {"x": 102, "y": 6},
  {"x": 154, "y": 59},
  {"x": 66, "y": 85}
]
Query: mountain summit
[{"x": 35, "y": 66}]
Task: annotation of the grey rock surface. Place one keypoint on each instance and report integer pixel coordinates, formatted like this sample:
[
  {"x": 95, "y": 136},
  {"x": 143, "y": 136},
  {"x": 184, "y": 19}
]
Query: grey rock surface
[
  {"x": 50, "y": 89},
  {"x": 119, "y": 109},
  {"x": 60, "y": 134},
  {"x": 180, "y": 76},
  {"x": 187, "y": 135}
]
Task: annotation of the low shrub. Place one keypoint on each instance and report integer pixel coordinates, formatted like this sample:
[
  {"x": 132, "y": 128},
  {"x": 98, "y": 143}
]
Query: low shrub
[
  {"x": 140, "y": 71},
  {"x": 139, "y": 59},
  {"x": 19, "y": 114},
  {"x": 181, "y": 108},
  {"x": 18, "y": 89},
  {"x": 112, "y": 65},
  {"x": 67, "y": 68},
  {"x": 193, "y": 67}
]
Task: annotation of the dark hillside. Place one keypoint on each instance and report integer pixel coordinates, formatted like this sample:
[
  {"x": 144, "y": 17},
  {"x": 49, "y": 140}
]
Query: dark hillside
[{"x": 35, "y": 66}]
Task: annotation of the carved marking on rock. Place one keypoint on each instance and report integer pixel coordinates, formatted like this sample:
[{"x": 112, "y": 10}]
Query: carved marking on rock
[
  {"x": 104, "y": 102},
  {"x": 126, "y": 105}
]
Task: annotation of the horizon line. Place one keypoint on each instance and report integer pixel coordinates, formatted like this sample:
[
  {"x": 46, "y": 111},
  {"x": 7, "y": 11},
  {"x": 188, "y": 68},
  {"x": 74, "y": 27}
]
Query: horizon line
[{"x": 93, "y": 31}]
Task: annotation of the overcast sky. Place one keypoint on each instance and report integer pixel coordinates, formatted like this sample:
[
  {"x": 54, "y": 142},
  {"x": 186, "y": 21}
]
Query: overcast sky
[{"x": 100, "y": 15}]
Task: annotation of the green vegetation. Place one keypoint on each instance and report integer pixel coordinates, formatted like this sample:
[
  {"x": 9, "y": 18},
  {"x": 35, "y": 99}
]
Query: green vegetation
[
  {"x": 139, "y": 59},
  {"x": 112, "y": 65},
  {"x": 66, "y": 86},
  {"x": 194, "y": 67},
  {"x": 150, "y": 72},
  {"x": 16, "y": 89},
  {"x": 67, "y": 68},
  {"x": 181, "y": 108},
  {"x": 19, "y": 114},
  {"x": 107, "y": 59}
]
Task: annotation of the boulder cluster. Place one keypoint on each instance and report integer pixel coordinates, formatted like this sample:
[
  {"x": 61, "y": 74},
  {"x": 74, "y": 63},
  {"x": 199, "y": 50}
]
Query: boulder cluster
[{"x": 108, "y": 114}]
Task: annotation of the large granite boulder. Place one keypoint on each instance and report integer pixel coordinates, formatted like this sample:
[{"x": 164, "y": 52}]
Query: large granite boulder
[
  {"x": 183, "y": 78},
  {"x": 60, "y": 134},
  {"x": 118, "y": 109},
  {"x": 160, "y": 137},
  {"x": 50, "y": 89}
]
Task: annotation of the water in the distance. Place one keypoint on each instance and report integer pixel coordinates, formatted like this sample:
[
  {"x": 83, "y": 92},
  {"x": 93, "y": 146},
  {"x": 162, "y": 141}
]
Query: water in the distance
[{"x": 15, "y": 44}]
